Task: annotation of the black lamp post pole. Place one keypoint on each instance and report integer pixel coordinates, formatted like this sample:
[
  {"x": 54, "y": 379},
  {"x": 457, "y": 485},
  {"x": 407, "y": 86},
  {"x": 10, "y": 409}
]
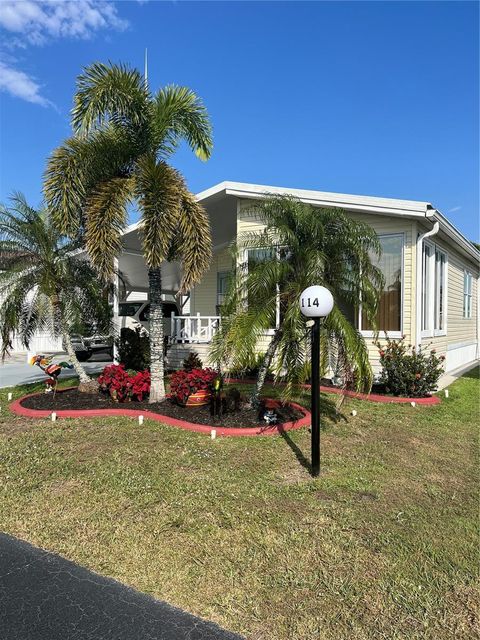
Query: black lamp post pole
[{"x": 315, "y": 392}]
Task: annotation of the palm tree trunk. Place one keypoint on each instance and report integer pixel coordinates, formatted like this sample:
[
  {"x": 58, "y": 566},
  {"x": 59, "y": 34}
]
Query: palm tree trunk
[
  {"x": 262, "y": 372},
  {"x": 157, "y": 387},
  {"x": 82, "y": 374},
  {"x": 59, "y": 322}
]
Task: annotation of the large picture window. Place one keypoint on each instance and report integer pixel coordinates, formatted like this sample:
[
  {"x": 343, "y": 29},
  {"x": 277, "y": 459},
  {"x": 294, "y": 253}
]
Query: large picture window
[
  {"x": 434, "y": 290},
  {"x": 389, "y": 317}
]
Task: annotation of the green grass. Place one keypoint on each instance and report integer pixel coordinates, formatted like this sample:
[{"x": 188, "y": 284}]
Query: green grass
[{"x": 383, "y": 545}]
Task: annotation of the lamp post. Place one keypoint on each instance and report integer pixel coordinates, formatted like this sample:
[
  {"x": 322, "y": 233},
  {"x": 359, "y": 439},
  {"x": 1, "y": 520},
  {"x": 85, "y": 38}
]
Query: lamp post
[{"x": 316, "y": 302}]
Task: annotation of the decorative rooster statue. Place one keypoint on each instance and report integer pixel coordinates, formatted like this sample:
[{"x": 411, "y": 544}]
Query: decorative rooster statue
[{"x": 51, "y": 369}]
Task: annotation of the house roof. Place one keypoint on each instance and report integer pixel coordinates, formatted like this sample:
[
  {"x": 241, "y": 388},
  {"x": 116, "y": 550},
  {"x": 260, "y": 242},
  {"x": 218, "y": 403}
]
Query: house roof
[{"x": 369, "y": 204}]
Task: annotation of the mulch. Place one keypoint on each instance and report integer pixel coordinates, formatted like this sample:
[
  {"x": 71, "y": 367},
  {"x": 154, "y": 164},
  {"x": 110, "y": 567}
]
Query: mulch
[{"x": 243, "y": 417}]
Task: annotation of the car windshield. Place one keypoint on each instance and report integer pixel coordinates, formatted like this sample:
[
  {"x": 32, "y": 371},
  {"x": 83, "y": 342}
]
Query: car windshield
[{"x": 129, "y": 308}]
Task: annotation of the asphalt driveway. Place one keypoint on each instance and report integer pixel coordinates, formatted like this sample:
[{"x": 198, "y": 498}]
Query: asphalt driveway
[
  {"x": 20, "y": 372},
  {"x": 45, "y": 597}
]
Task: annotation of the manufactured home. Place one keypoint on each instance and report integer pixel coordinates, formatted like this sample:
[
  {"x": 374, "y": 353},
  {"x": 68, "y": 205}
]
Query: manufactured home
[{"x": 431, "y": 273}]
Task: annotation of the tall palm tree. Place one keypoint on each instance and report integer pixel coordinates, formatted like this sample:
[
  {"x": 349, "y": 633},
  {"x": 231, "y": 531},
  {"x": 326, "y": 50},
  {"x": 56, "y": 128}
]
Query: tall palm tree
[
  {"x": 124, "y": 136},
  {"x": 299, "y": 246},
  {"x": 44, "y": 284}
]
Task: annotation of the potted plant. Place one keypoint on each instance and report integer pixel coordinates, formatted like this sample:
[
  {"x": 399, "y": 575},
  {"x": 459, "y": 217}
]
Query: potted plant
[{"x": 192, "y": 388}]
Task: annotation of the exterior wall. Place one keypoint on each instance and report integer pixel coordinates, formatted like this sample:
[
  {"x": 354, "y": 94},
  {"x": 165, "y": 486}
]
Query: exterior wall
[
  {"x": 247, "y": 221},
  {"x": 460, "y": 343},
  {"x": 203, "y": 298},
  {"x": 177, "y": 353}
]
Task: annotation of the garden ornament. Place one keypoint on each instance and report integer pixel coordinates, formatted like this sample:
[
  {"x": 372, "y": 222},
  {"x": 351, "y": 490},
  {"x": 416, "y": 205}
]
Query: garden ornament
[
  {"x": 270, "y": 417},
  {"x": 51, "y": 369}
]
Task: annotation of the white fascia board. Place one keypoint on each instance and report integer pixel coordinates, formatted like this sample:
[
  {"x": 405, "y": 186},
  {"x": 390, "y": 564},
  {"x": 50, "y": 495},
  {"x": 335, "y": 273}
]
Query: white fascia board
[
  {"x": 452, "y": 232},
  {"x": 369, "y": 204}
]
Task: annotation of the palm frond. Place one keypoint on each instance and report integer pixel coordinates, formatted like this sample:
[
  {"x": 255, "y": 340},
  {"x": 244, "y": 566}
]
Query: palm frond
[
  {"x": 109, "y": 93},
  {"x": 106, "y": 219},
  {"x": 159, "y": 189},
  {"x": 179, "y": 114}
]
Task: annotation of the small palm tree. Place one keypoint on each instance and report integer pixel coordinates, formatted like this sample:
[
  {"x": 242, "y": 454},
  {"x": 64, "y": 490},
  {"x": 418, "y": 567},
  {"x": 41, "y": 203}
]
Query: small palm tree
[
  {"x": 299, "y": 246},
  {"x": 124, "y": 136},
  {"x": 43, "y": 282}
]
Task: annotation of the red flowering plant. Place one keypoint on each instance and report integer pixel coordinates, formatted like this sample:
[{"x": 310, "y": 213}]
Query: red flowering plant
[
  {"x": 123, "y": 386},
  {"x": 184, "y": 383},
  {"x": 408, "y": 371}
]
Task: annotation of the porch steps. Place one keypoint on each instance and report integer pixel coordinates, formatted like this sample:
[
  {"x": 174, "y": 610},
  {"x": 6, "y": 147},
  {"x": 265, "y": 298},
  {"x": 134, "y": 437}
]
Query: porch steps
[{"x": 177, "y": 353}]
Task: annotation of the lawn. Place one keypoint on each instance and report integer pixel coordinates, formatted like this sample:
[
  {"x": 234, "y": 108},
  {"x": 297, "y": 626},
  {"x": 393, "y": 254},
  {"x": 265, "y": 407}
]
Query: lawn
[{"x": 383, "y": 545}]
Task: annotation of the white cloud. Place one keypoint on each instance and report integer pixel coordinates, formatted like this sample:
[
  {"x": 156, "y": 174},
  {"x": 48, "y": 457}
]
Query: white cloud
[
  {"x": 38, "y": 22},
  {"x": 20, "y": 85},
  {"x": 454, "y": 209},
  {"x": 35, "y": 22}
]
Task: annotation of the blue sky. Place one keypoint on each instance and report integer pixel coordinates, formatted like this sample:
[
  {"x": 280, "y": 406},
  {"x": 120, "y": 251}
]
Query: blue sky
[{"x": 376, "y": 98}]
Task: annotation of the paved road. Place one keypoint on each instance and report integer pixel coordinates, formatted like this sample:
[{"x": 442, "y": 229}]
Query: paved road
[
  {"x": 45, "y": 597},
  {"x": 15, "y": 373}
]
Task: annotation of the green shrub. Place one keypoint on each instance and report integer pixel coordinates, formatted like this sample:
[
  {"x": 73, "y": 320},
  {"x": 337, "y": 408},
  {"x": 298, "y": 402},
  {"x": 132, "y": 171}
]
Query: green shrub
[
  {"x": 192, "y": 361},
  {"x": 134, "y": 349},
  {"x": 407, "y": 371}
]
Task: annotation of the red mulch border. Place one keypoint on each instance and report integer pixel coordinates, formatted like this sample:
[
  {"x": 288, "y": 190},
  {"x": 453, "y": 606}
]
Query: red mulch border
[
  {"x": 268, "y": 430},
  {"x": 370, "y": 397}
]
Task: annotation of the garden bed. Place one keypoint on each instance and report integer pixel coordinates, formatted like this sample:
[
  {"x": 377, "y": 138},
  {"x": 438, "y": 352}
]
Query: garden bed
[
  {"x": 378, "y": 393},
  {"x": 70, "y": 403}
]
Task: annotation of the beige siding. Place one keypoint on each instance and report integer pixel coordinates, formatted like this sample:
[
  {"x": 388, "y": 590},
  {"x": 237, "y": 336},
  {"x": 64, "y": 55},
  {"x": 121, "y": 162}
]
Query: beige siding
[
  {"x": 248, "y": 221},
  {"x": 204, "y": 295},
  {"x": 460, "y": 331}
]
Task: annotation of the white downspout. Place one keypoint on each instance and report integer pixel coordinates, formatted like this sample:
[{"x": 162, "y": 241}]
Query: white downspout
[{"x": 418, "y": 299}]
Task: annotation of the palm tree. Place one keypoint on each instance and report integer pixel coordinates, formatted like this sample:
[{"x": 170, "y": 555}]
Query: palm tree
[
  {"x": 124, "y": 136},
  {"x": 299, "y": 246},
  {"x": 44, "y": 284}
]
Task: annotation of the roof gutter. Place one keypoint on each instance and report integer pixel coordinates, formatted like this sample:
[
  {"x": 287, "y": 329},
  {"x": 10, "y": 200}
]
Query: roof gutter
[{"x": 418, "y": 288}]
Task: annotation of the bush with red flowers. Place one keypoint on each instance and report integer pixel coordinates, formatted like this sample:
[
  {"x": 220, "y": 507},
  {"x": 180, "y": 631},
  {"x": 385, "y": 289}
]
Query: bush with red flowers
[
  {"x": 123, "y": 386},
  {"x": 184, "y": 383},
  {"x": 407, "y": 371}
]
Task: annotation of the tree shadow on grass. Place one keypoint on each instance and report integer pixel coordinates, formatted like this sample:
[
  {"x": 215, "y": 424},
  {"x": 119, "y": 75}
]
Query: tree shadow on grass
[{"x": 328, "y": 410}]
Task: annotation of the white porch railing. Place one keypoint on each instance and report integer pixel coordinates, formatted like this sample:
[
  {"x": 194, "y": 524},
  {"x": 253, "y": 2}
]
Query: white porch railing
[{"x": 186, "y": 329}]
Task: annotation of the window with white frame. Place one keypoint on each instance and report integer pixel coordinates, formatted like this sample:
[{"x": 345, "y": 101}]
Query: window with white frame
[
  {"x": 434, "y": 290},
  {"x": 467, "y": 294},
  {"x": 389, "y": 316},
  {"x": 440, "y": 292},
  {"x": 253, "y": 257},
  {"x": 223, "y": 279}
]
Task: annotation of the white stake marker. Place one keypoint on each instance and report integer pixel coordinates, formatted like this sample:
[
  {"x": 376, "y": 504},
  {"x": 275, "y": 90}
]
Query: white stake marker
[
  {"x": 10, "y": 396},
  {"x": 446, "y": 393},
  {"x": 54, "y": 417},
  {"x": 140, "y": 419},
  {"x": 414, "y": 404},
  {"x": 213, "y": 434}
]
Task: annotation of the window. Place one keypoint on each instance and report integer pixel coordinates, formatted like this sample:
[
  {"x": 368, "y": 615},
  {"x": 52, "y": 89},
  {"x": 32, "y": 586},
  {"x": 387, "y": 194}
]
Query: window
[
  {"x": 434, "y": 290},
  {"x": 440, "y": 268},
  {"x": 389, "y": 317},
  {"x": 223, "y": 278},
  {"x": 427, "y": 279},
  {"x": 253, "y": 257},
  {"x": 467, "y": 294}
]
